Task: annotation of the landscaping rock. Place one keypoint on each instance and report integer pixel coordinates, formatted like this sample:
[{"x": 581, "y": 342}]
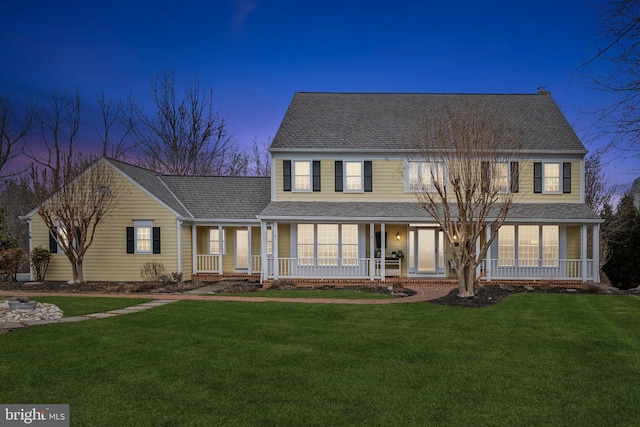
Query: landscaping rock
[{"x": 42, "y": 312}]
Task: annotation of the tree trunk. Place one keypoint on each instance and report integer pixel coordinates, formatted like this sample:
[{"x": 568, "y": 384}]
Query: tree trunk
[
  {"x": 78, "y": 273},
  {"x": 465, "y": 280}
]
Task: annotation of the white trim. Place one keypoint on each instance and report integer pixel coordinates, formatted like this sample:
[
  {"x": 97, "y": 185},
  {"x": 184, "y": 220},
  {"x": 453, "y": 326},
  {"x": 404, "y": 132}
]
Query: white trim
[
  {"x": 142, "y": 223},
  {"x": 194, "y": 248},
  {"x": 179, "y": 246}
]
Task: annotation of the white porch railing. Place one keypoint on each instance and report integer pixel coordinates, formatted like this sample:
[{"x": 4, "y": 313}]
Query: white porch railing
[
  {"x": 207, "y": 263},
  {"x": 561, "y": 269},
  {"x": 314, "y": 268},
  {"x": 256, "y": 263}
]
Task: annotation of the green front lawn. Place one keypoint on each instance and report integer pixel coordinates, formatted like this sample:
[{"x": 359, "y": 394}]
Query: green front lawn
[
  {"x": 81, "y": 306},
  {"x": 533, "y": 359},
  {"x": 309, "y": 293}
]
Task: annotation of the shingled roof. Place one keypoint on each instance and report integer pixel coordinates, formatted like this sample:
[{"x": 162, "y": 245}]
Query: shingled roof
[
  {"x": 383, "y": 121},
  {"x": 204, "y": 197}
]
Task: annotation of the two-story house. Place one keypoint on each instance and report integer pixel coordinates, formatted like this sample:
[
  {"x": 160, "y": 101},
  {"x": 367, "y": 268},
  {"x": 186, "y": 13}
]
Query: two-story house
[{"x": 341, "y": 202}]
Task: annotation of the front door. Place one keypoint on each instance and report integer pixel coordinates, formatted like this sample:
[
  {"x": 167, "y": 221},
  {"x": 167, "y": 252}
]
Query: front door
[
  {"x": 242, "y": 250},
  {"x": 426, "y": 251}
]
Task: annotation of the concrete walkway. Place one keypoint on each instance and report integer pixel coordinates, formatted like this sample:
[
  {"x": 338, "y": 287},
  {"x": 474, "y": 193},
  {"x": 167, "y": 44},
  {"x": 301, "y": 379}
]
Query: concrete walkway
[{"x": 424, "y": 293}]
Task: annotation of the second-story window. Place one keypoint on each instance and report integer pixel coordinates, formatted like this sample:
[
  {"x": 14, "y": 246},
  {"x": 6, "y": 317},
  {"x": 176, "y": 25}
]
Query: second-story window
[
  {"x": 302, "y": 175},
  {"x": 424, "y": 176},
  {"x": 500, "y": 177},
  {"x": 353, "y": 176},
  {"x": 551, "y": 177}
]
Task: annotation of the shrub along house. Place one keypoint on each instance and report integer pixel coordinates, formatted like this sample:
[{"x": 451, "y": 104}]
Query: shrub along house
[{"x": 341, "y": 203}]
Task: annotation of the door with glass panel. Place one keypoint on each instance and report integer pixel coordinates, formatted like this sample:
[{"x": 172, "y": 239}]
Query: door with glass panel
[
  {"x": 426, "y": 251},
  {"x": 242, "y": 250}
]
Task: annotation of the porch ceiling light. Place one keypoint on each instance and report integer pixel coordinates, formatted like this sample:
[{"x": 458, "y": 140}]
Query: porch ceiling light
[{"x": 398, "y": 235}]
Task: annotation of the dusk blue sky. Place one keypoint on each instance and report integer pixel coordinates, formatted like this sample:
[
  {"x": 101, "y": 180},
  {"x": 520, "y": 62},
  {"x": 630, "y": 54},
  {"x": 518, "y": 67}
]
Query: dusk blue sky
[{"x": 255, "y": 54}]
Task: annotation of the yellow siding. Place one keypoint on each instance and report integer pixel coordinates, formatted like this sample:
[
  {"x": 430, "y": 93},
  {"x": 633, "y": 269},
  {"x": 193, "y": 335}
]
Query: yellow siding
[
  {"x": 573, "y": 242},
  {"x": 284, "y": 241},
  {"x": 107, "y": 259},
  {"x": 388, "y": 185}
]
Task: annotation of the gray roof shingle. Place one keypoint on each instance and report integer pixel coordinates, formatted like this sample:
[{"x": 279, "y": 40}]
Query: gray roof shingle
[
  {"x": 221, "y": 197},
  {"x": 204, "y": 197},
  {"x": 383, "y": 121},
  {"x": 412, "y": 211}
]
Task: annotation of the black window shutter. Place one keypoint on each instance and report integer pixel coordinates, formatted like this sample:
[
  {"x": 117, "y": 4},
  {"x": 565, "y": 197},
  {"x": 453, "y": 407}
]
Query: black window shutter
[
  {"x": 515, "y": 177},
  {"x": 286, "y": 169},
  {"x": 485, "y": 177},
  {"x": 316, "y": 175},
  {"x": 130, "y": 242},
  {"x": 566, "y": 177},
  {"x": 156, "y": 240},
  {"x": 368, "y": 176},
  {"x": 537, "y": 177},
  {"x": 53, "y": 245},
  {"x": 339, "y": 176}
]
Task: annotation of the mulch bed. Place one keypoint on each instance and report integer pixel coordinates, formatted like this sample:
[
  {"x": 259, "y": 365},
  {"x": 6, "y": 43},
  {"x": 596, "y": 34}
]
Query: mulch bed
[
  {"x": 100, "y": 287},
  {"x": 489, "y": 295}
]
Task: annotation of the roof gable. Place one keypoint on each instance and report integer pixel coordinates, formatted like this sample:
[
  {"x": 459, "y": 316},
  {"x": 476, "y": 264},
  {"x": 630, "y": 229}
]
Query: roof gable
[{"x": 383, "y": 121}]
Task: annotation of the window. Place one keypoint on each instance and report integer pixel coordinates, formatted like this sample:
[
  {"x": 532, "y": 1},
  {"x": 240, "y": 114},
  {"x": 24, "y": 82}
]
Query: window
[
  {"x": 306, "y": 244},
  {"x": 423, "y": 176},
  {"x": 506, "y": 246},
  {"x": 353, "y": 176},
  {"x": 550, "y": 253},
  {"x": 500, "y": 177},
  {"x": 269, "y": 242},
  {"x": 329, "y": 244},
  {"x": 551, "y": 177},
  {"x": 215, "y": 243},
  {"x": 349, "y": 244},
  {"x": 302, "y": 176},
  {"x": 143, "y": 238},
  {"x": 530, "y": 245}
]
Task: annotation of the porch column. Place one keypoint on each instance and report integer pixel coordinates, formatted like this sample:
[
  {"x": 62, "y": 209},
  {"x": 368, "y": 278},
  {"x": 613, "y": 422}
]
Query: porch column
[
  {"x": 250, "y": 266},
  {"x": 274, "y": 236},
  {"x": 596, "y": 253},
  {"x": 223, "y": 248},
  {"x": 488, "y": 259},
  {"x": 263, "y": 250},
  {"x": 383, "y": 249},
  {"x": 372, "y": 252},
  {"x": 583, "y": 251},
  {"x": 479, "y": 267},
  {"x": 194, "y": 249},
  {"x": 179, "y": 246}
]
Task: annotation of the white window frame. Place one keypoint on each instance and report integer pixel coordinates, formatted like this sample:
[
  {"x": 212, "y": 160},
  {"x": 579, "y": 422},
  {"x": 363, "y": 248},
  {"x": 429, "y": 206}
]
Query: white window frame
[
  {"x": 221, "y": 245},
  {"x": 345, "y": 176},
  {"x": 419, "y": 166},
  {"x": 294, "y": 176},
  {"x": 547, "y": 255},
  {"x": 314, "y": 242},
  {"x": 139, "y": 225},
  {"x": 545, "y": 177},
  {"x": 507, "y": 178}
]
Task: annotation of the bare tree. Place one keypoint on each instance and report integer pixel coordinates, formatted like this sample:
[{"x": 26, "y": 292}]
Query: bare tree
[
  {"x": 614, "y": 69},
  {"x": 72, "y": 206},
  {"x": 116, "y": 127},
  {"x": 260, "y": 158},
  {"x": 598, "y": 196},
  {"x": 12, "y": 131},
  {"x": 184, "y": 135},
  {"x": 59, "y": 120},
  {"x": 463, "y": 158}
]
